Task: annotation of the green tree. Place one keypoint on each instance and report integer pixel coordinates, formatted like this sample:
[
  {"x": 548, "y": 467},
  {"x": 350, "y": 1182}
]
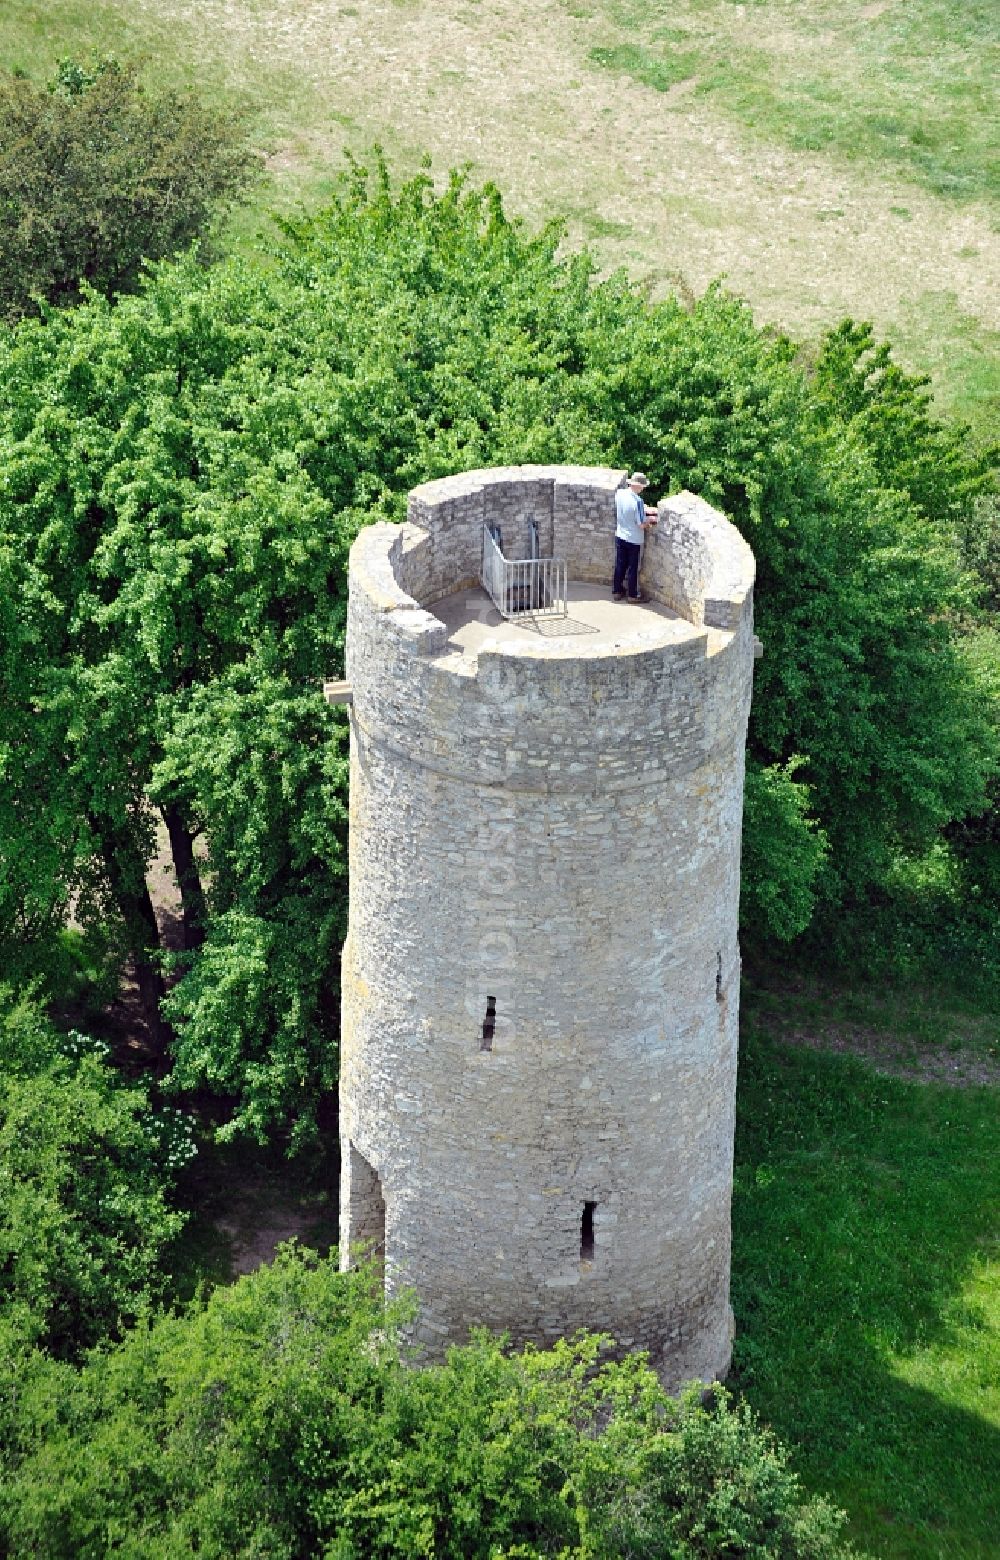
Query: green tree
[
  {"x": 783, "y": 852},
  {"x": 860, "y": 387},
  {"x": 97, "y": 174},
  {"x": 864, "y": 674},
  {"x": 178, "y": 581},
  {"x": 259, "y": 760}
]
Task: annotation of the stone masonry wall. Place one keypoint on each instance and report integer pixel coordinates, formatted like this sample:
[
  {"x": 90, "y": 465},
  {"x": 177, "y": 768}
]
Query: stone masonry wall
[{"x": 540, "y": 981}]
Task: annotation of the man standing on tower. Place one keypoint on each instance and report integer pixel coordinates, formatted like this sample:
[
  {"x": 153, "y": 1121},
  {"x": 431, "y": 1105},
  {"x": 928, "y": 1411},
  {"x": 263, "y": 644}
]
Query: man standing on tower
[{"x": 633, "y": 517}]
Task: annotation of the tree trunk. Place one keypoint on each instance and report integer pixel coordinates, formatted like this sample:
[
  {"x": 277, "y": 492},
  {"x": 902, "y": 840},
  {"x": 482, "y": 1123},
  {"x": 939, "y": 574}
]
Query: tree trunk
[
  {"x": 127, "y": 878},
  {"x": 194, "y": 913}
]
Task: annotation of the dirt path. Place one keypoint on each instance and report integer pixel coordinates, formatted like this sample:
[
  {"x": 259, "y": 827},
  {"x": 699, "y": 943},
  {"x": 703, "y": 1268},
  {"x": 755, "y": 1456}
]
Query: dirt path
[
  {"x": 921, "y": 1036},
  {"x": 898, "y": 1058},
  {"x": 653, "y": 180}
]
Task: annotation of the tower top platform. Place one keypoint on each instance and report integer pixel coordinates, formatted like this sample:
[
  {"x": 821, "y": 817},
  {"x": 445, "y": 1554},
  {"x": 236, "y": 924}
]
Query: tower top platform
[
  {"x": 594, "y": 624},
  {"x": 420, "y": 581}
]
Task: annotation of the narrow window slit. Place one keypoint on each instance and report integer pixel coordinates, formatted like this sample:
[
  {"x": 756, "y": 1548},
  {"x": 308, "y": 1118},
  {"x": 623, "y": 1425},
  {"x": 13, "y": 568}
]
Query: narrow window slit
[
  {"x": 489, "y": 1024},
  {"x": 587, "y": 1232},
  {"x": 718, "y": 977}
]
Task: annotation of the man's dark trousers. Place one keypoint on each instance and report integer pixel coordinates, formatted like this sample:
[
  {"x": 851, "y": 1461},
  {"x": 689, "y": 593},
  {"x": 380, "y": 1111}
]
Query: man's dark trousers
[{"x": 627, "y": 555}]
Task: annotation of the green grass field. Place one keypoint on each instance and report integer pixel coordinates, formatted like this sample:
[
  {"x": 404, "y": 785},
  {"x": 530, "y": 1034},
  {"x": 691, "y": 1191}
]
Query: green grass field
[
  {"x": 866, "y": 1286},
  {"x": 909, "y": 87},
  {"x": 827, "y": 160}
]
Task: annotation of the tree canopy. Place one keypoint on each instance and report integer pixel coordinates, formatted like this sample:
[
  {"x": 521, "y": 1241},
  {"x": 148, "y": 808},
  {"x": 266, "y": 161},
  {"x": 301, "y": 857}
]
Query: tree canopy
[
  {"x": 280, "y": 1419},
  {"x": 182, "y": 473}
]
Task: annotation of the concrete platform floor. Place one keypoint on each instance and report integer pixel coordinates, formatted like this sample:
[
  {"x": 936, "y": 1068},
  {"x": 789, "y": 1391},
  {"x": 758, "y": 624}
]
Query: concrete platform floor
[{"x": 593, "y": 621}]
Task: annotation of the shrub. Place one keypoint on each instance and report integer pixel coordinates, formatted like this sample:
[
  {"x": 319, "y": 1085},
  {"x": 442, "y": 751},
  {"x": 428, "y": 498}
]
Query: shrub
[
  {"x": 97, "y": 175},
  {"x": 783, "y": 853},
  {"x": 278, "y": 1418}
]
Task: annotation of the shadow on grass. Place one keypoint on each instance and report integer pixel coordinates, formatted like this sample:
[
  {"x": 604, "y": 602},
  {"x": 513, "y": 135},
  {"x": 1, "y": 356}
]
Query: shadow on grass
[{"x": 863, "y": 1209}]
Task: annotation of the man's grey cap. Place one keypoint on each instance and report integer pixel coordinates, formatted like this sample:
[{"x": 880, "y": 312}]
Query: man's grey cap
[{"x": 639, "y": 478}]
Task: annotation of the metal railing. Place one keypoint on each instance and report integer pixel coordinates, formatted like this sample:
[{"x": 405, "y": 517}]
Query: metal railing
[{"x": 521, "y": 587}]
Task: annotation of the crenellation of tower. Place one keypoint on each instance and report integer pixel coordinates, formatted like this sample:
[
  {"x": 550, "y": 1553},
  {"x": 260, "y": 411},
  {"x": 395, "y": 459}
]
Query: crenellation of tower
[{"x": 540, "y": 979}]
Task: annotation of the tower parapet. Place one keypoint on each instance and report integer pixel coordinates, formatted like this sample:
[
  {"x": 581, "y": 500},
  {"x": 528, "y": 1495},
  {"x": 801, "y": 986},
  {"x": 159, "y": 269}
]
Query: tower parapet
[{"x": 540, "y": 979}]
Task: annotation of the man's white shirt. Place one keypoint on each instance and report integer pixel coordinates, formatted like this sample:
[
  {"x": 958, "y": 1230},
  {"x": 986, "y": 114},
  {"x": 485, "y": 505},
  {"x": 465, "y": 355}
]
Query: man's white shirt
[{"x": 629, "y": 511}]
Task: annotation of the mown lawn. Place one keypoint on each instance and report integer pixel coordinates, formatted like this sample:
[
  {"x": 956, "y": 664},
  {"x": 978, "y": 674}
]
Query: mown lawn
[
  {"x": 827, "y": 160},
  {"x": 911, "y": 85},
  {"x": 866, "y": 1286}
]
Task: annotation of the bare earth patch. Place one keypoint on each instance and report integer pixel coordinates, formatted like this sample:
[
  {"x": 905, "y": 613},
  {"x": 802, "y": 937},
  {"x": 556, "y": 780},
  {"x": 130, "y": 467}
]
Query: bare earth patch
[
  {"x": 255, "y": 1231},
  {"x": 921, "y": 1036}
]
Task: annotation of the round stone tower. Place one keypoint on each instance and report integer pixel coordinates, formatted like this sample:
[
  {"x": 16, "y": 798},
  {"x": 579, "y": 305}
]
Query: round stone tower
[{"x": 541, "y": 973}]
